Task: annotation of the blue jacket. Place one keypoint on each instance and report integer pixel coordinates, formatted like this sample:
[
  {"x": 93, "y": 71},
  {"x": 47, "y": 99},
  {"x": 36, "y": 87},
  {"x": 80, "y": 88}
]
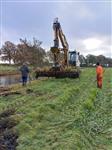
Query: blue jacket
[{"x": 24, "y": 71}]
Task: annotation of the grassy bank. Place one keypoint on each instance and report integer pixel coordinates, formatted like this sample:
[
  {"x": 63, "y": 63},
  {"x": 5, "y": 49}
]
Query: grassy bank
[
  {"x": 8, "y": 69},
  {"x": 63, "y": 114}
]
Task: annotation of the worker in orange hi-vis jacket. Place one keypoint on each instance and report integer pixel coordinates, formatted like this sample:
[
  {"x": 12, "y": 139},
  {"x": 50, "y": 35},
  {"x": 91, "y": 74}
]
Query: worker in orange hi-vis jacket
[{"x": 99, "y": 75}]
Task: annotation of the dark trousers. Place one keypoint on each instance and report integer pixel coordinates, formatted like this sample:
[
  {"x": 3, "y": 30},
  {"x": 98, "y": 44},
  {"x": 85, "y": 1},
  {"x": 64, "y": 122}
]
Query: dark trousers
[{"x": 24, "y": 80}]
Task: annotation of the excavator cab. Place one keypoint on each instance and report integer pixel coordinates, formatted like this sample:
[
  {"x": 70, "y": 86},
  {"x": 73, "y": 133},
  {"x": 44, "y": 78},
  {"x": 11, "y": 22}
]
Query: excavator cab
[{"x": 73, "y": 58}]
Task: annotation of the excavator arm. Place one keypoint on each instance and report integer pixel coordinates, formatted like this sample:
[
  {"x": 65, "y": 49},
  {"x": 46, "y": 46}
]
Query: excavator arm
[{"x": 59, "y": 36}]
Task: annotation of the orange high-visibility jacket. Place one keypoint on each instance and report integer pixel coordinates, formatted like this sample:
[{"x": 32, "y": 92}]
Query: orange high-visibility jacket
[{"x": 99, "y": 71}]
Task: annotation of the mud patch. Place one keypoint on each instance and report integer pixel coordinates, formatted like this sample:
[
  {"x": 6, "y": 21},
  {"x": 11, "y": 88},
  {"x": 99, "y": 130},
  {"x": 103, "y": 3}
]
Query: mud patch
[
  {"x": 7, "y": 113},
  {"x": 29, "y": 91},
  {"x": 36, "y": 93},
  {"x": 8, "y": 135}
]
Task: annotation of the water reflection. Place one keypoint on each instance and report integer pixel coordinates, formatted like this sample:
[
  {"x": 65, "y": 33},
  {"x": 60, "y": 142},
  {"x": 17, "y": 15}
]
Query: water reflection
[{"x": 10, "y": 79}]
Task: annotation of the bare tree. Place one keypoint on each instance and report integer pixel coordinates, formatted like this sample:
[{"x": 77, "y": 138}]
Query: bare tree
[
  {"x": 8, "y": 51},
  {"x": 30, "y": 52}
]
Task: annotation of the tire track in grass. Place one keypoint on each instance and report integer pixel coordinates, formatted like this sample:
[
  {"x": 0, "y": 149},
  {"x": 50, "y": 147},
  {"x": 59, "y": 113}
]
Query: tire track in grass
[
  {"x": 58, "y": 125},
  {"x": 69, "y": 122},
  {"x": 95, "y": 123},
  {"x": 103, "y": 114}
]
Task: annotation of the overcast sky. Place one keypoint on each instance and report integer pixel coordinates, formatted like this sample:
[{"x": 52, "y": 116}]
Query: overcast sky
[{"x": 86, "y": 24}]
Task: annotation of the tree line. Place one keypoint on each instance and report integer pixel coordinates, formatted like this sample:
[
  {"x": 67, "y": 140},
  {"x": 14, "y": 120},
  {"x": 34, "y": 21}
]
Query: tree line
[
  {"x": 33, "y": 53},
  {"x": 91, "y": 60}
]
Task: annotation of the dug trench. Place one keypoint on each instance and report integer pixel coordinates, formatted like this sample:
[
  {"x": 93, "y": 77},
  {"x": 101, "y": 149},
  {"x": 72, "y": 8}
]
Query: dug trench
[{"x": 8, "y": 135}]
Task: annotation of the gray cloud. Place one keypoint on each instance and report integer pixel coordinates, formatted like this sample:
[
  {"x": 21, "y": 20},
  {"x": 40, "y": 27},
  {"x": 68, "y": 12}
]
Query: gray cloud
[{"x": 80, "y": 21}]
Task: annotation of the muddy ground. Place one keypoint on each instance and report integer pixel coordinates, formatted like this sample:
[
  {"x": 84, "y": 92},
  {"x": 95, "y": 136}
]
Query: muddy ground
[{"x": 8, "y": 135}]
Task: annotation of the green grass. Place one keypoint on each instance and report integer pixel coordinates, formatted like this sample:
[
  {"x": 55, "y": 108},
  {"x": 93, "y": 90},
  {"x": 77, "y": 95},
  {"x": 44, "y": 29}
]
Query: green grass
[{"x": 64, "y": 114}]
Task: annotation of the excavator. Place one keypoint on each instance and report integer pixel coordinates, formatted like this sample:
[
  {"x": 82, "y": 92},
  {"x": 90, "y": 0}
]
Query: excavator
[{"x": 69, "y": 59}]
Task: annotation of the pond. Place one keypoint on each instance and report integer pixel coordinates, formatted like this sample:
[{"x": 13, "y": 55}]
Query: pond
[{"x": 9, "y": 79}]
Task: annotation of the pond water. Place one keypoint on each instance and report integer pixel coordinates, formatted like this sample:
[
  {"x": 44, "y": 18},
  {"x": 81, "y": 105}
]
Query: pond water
[{"x": 9, "y": 79}]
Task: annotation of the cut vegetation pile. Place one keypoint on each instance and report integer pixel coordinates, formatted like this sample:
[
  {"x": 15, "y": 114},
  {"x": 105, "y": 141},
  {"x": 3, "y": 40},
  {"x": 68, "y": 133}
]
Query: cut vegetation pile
[{"x": 63, "y": 114}]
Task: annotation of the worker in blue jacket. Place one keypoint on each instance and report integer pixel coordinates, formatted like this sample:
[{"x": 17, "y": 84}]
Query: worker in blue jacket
[{"x": 24, "y": 73}]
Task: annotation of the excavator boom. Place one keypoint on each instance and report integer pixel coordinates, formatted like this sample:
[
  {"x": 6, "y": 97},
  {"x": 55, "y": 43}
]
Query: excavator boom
[{"x": 59, "y": 35}]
